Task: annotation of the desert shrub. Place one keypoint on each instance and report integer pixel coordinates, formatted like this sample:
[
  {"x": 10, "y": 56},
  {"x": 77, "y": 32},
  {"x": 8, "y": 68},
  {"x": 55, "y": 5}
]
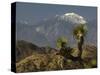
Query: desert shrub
[{"x": 56, "y": 63}]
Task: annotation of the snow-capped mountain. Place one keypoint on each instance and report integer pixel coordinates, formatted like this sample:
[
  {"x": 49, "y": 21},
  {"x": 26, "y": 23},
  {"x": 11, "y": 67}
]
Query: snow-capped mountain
[
  {"x": 73, "y": 18},
  {"x": 47, "y": 31}
]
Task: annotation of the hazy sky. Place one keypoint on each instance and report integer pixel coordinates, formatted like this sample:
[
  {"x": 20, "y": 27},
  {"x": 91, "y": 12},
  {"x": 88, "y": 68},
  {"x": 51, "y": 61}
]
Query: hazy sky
[{"x": 33, "y": 12}]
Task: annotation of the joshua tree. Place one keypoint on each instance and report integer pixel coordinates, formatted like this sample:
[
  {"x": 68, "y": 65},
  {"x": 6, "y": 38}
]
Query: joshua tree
[
  {"x": 64, "y": 49},
  {"x": 79, "y": 33},
  {"x": 61, "y": 42},
  {"x": 61, "y": 45}
]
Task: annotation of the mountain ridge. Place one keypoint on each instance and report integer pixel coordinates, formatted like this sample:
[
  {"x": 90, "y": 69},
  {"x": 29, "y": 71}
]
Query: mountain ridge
[{"x": 46, "y": 32}]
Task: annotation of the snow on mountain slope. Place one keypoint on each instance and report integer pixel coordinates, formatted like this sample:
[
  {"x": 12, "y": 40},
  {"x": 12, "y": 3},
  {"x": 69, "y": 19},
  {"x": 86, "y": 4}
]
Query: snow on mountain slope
[{"x": 73, "y": 18}]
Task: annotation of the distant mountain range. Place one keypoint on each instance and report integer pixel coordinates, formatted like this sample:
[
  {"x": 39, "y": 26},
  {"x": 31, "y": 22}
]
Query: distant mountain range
[{"x": 46, "y": 32}]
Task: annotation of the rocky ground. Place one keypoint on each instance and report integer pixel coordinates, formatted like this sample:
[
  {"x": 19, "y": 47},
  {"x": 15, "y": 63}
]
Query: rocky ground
[{"x": 31, "y": 58}]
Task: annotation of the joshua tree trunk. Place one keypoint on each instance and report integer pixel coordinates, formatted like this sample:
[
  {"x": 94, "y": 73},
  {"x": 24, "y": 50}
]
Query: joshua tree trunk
[{"x": 80, "y": 44}]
